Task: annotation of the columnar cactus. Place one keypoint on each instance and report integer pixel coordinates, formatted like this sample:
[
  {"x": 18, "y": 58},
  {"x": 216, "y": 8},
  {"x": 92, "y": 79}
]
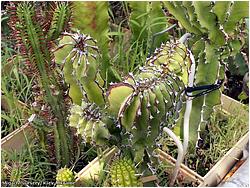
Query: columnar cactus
[
  {"x": 123, "y": 174},
  {"x": 35, "y": 31},
  {"x": 140, "y": 104},
  {"x": 79, "y": 54},
  {"x": 217, "y": 36}
]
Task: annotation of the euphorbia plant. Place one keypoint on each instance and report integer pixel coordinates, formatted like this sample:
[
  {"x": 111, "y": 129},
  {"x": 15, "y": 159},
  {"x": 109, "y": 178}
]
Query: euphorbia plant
[
  {"x": 130, "y": 114},
  {"x": 35, "y": 28}
]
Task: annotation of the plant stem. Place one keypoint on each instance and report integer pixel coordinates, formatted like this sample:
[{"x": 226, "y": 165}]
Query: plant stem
[
  {"x": 179, "y": 157},
  {"x": 188, "y": 105}
]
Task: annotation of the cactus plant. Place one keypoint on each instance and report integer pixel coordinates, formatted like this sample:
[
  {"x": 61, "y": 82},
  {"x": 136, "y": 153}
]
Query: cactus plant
[
  {"x": 145, "y": 101},
  {"x": 123, "y": 174},
  {"x": 142, "y": 103},
  {"x": 217, "y": 37},
  {"x": 35, "y": 31},
  {"x": 65, "y": 178},
  {"x": 81, "y": 67},
  {"x": 137, "y": 108},
  {"x": 87, "y": 119}
]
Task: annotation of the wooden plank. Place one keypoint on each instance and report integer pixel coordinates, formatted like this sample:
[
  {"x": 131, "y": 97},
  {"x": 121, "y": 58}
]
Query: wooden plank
[
  {"x": 186, "y": 173},
  {"x": 234, "y": 107},
  {"x": 92, "y": 170},
  {"x": 221, "y": 168},
  {"x": 148, "y": 178},
  {"x": 16, "y": 139}
]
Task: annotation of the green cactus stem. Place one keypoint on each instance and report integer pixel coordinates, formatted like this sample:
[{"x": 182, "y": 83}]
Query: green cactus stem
[
  {"x": 87, "y": 119},
  {"x": 34, "y": 38},
  {"x": 80, "y": 56},
  {"x": 123, "y": 174},
  {"x": 142, "y": 102}
]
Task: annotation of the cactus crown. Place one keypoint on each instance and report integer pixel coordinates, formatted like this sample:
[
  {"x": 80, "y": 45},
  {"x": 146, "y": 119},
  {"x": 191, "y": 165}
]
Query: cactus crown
[{"x": 65, "y": 178}]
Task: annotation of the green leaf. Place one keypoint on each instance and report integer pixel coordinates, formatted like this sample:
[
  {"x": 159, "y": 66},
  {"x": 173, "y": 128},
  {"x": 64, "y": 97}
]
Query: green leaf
[
  {"x": 243, "y": 96},
  {"x": 157, "y": 23},
  {"x": 147, "y": 19},
  {"x": 138, "y": 19}
]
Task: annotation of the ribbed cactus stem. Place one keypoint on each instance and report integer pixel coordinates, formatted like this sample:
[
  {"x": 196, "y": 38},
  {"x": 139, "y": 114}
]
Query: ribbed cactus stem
[
  {"x": 123, "y": 174},
  {"x": 182, "y": 148}
]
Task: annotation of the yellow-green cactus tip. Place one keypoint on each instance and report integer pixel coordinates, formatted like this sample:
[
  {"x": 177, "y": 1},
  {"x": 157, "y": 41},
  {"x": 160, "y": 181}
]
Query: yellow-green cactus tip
[{"x": 65, "y": 178}]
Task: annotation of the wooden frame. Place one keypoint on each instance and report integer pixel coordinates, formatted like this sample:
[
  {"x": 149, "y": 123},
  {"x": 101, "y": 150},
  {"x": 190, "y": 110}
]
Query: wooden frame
[{"x": 17, "y": 139}]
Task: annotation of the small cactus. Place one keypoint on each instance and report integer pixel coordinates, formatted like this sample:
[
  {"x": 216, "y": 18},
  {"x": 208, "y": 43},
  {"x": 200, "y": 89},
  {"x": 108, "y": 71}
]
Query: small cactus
[
  {"x": 123, "y": 174},
  {"x": 65, "y": 178}
]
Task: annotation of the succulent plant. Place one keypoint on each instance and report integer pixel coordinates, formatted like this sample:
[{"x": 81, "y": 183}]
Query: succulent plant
[
  {"x": 123, "y": 174},
  {"x": 35, "y": 27},
  {"x": 152, "y": 98},
  {"x": 217, "y": 36},
  {"x": 65, "y": 178},
  {"x": 80, "y": 57},
  {"x": 87, "y": 119},
  {"x": 140, "y": 104}
]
